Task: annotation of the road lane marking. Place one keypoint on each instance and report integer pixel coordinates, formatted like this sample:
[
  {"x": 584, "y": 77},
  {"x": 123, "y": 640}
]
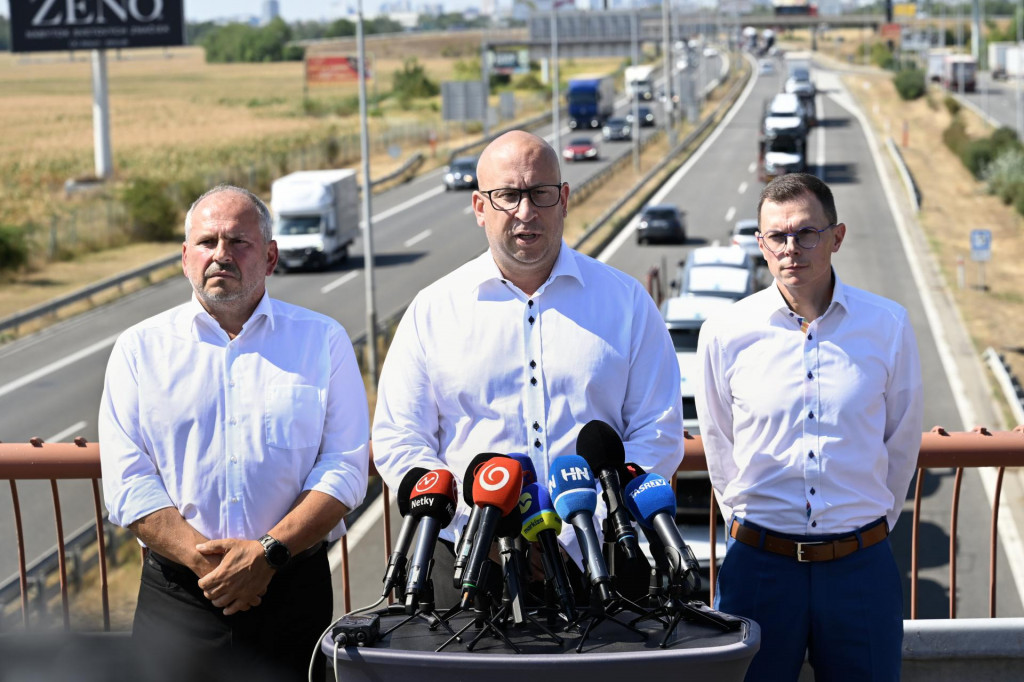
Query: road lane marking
[
  {"x": 57, "y": 366},
  {"x": 73, "y": 430},
  {"x": 418, "y": 238},
  {"x": 467, "y": 210},
  {"x": 344, "y": 279},
  {"x": 752, "y": 167},
  {"x": 384, "y": 215},
  {"x": 743, "y": 187},
  {"x": 730, "y": 213}
]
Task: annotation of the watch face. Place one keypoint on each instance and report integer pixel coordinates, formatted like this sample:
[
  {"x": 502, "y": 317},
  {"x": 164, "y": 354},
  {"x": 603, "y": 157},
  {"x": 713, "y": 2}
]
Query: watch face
[{"x": 277, "y": 554}]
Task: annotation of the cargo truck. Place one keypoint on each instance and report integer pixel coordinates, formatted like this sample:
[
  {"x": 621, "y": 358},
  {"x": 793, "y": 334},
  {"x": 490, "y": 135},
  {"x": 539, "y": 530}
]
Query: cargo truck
[
  {"x": 640, "y": 82},
  {"x": 936, "y": 63},
  {"x": 591, "y": 101},
  {"x": 316, "y": 217},
  {"x": 957, "y": 70},
  {"x": 782, "y": 147}
]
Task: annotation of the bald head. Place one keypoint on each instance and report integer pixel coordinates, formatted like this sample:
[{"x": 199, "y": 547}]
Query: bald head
[{"x": 516, "y": 151}]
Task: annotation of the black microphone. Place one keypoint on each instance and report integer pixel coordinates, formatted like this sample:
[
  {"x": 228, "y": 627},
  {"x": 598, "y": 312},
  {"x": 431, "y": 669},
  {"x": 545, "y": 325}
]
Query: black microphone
[
  {"x": 432, "y": 501},
  {"x": 601, "y": 447},
  {"x": 465, "y": 544},
  {"x": 508, "y": 530},
  {"x": 395, "y": 572},
  {"x": 496, "y": 491}
]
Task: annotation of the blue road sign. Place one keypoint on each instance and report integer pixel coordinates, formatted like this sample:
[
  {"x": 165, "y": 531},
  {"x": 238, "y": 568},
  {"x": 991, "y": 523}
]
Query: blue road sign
[{"x": 981, "y": 245}]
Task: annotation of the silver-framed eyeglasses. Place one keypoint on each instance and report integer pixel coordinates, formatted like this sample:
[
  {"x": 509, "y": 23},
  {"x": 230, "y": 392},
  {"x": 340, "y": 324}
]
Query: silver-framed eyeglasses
[
  {"x": 508, "y": 198},
  {"x": 806, "y": 238}
]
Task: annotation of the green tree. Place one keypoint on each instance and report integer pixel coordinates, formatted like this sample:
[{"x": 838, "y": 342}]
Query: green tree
[
  {"x": 910, "y": 83},
  {"x": 340, "y": 28},
  {"x": 411, "y": 82},
  {"x": 152, "y": 214}
]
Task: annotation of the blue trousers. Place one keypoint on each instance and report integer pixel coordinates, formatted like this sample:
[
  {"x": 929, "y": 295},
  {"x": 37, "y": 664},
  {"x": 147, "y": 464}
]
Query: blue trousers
[{"x": 846, "y": 615}]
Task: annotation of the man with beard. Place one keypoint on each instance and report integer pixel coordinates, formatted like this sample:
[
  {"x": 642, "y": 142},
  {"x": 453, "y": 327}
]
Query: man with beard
[
  {"x": 516, "y": 350},
  {"x": 233, "y": 439}
]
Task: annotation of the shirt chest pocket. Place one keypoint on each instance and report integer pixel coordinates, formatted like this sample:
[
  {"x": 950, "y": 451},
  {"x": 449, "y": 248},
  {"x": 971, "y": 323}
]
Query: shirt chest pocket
[{"x": 294, "y": 416}]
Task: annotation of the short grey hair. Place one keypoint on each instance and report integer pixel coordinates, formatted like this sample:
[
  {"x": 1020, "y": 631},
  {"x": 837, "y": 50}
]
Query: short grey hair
[{"x": 263, "y": 216}]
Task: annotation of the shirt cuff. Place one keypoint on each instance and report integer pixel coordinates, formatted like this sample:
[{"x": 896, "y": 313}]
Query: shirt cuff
[{"x": 140, "y": 498}]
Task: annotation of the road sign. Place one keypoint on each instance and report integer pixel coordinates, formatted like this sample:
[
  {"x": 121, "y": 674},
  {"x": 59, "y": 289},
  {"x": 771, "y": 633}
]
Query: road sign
[{"x": 981, "y": 245}]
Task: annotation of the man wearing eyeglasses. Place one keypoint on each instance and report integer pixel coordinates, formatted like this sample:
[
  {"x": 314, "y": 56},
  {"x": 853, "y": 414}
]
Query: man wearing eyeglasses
[
  {"x": 516, "y": 350},
  {"x": 810, "y": 408}
]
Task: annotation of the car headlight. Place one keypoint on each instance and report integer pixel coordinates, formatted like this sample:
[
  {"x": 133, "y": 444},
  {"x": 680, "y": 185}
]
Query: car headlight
[
  {"x": 606, "y": 130},
  {"x": 467, "y": 178},
  {"x": 643, "y": 224},
  {"x": 591, "y": 152},
  {"x": 449, "y": 177},
  {"x": 625, "y": 131}
]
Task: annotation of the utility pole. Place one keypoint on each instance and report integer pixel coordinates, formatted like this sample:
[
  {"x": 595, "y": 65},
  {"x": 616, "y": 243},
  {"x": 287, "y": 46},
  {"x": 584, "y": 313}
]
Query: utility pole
[
  {"x": 666, "y": 51},
  {"x": 371, "y": 311},
  {"x": 556, "y": 107}
]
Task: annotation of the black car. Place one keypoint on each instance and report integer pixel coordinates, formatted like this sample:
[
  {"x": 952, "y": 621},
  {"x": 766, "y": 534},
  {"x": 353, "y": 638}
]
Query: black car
[
  {"x": 461, "y": 173},
  {"x": 617, "y": 129},
  {"x": 662, "y": 222},
  {"x": 646, "y": 117}
]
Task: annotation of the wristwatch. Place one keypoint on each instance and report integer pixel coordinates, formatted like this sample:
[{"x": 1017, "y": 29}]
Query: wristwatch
[{"x": 276, "y": 553}]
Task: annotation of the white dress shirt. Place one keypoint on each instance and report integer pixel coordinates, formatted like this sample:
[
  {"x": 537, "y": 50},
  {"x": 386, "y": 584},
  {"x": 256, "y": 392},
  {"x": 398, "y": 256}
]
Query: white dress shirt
[
  {"x": 478, "y": 366},
  {"x": 812, "y": 433},
  {"x": 230, "y": 431}
]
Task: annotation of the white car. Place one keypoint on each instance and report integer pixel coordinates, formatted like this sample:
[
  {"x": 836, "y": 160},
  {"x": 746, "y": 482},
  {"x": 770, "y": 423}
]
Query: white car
[
  {"x": 723, "y": 271},
  {"x": 744, "y": 235}
]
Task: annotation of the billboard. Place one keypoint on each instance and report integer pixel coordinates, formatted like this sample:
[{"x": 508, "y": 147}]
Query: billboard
[
  {"x": 60, "y": 25},
  {"x": 331, "y": 70}
]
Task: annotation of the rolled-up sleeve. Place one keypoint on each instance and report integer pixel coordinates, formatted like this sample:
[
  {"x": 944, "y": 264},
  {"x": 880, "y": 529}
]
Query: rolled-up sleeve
[
  {"x": 341, "y": 467},
  {"x": 132, "y": 486}
]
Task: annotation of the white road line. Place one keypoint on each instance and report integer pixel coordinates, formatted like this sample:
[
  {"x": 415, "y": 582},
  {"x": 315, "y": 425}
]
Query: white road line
[
  {"x": 73, "y": 430},
  {"x": 344, "y": 279},
  {"x": 468, "y": 210},
  {"x": 383, "y": 215},
  {"x": 743, "y": 187},
  {"x": 418, "y": 238},
  {"x": 57, "y": 366},
  {"x": 752, "y": 167},
  {"x": 730, "y": 213},
  {"x": 677, "y": 177}
]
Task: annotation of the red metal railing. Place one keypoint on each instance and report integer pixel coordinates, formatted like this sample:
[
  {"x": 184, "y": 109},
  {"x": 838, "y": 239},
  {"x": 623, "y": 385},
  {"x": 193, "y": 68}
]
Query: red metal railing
[{"x": 939, "y": 449}]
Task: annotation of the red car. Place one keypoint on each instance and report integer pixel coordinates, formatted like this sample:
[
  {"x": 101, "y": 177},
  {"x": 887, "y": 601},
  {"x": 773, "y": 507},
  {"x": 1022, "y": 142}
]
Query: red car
[{"x": 580, "y": 149}]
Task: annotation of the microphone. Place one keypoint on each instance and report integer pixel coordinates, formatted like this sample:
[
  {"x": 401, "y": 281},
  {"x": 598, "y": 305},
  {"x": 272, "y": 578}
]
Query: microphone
[
  {"x": 465, "y": 544},
  {"x": 601, "y": 447},
  {"x": 652, "y": 502},
  {"x": 496, "y": 491},
  {"x": 394, "y": 574},
  {"x": 507, "y": 531},
  {"x": 542, "y": 525},
  {"x": 574, "y": 494},
  {"x": 529, "y": 470},
  {"x": 432, "y": 501}
]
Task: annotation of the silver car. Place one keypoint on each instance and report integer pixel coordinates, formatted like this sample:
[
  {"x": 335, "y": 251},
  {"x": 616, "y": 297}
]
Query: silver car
[{"x": 744, "y": 235}]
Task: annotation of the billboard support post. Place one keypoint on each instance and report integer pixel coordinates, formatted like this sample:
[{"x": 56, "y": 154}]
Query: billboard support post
[{"x": 101, "y": 116}]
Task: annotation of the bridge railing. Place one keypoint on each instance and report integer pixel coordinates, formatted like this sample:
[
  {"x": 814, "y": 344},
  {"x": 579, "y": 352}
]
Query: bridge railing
[{"x": 55, "y": 462}]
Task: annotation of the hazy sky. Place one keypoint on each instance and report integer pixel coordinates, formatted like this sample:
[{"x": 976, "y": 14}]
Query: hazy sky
[{"x": 291, "y": 10}]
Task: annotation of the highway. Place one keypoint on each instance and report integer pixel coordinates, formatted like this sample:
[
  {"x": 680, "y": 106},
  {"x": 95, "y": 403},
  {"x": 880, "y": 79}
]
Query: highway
[{"x": 421, "y": 232}]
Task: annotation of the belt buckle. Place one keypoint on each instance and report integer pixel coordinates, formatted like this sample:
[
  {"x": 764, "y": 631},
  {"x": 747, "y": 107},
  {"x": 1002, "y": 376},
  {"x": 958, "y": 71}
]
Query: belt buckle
[{"x": 800, "y": 550}]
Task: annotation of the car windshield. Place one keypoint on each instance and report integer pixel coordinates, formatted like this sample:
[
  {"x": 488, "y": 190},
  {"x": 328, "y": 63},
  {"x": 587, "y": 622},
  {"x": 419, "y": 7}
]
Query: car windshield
[
  {"x": 660, "y": 214},
  {"x": 464, "y": 166},
  {"x": 746, "y": 230},
  {"x": 298, "y": 225},
  {"x": 581, "y": 142},
  {"x": 717, "y": 281},
  {"x": 685, "y": 340}
]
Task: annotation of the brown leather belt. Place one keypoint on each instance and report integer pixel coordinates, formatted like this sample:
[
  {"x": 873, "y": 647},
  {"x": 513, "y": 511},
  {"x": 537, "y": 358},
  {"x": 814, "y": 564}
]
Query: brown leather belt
[{"x": 823, "y": 550}]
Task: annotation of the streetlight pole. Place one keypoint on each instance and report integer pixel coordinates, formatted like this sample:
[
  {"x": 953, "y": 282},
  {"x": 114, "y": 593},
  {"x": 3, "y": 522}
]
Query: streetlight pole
[
  {"x": 371, "y": 312},
  {"x": 1020, "y": 66},
  {"x": 634, "y": 130},
  {"x": 556, "y": 108},
  {"x": 666, "y": 50}
]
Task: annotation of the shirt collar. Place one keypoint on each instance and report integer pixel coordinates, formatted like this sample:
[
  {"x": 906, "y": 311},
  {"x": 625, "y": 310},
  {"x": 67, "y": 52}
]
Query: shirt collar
[
  {"x": 777, "y": 304},
  {"x": 196, "y": 314},
  {"x": 484, "y": 269}
]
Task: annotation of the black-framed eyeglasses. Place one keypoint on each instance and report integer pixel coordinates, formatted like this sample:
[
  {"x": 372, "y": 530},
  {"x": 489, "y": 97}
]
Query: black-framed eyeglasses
[
  {"x": 508, "y": 198},
  {"x": 806, "y": 238}
]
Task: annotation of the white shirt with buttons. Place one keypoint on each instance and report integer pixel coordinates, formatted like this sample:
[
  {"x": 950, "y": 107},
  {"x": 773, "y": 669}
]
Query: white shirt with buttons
[
  {"x": 810, "y": 433},
  {"x": 231, "y": 431},
  {"x": 478, "y": 366}
]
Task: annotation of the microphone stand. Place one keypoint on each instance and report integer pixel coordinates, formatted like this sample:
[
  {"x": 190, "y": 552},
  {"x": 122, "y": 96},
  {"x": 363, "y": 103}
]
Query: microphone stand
[
  {"x": 425, "y": 610},
  {"x": 482, "y": 618},
  {"x": 599, "y": 610}
]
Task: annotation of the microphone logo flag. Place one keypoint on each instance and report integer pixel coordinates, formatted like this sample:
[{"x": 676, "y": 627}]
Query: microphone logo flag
[
  {"x": 493, "y": 477},
  {"x": 427, "y": 481},
  {"x": 525, "y": 502}
]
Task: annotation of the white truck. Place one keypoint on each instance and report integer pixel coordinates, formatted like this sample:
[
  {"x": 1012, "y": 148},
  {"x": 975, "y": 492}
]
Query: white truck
[
  {"x": 316, "y": 217},
  {"x": 937, "y": 63},
  {"x": 640, "y": 82},
  {"x": 997, "y": 58}
]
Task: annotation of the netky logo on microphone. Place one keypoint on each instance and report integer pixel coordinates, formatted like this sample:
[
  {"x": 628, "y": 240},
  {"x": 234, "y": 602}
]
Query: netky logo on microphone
[
  {"x": 427, "y": 481},
  {"x": 648, "y": 484}
]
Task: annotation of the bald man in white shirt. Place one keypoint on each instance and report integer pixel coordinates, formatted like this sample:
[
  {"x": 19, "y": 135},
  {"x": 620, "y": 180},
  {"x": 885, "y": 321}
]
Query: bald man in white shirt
[
  {"x": 516, "y": 350},
  {"x": 810, "y": 407},
  {"x": 233, "y": 441}
]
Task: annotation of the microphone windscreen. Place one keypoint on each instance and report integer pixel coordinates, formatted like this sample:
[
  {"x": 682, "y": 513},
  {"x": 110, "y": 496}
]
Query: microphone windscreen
[
  {"x": 600, "y": 445},
  {"x": 434, "y": 495},
  {"x": 510, "y": 524},
  {"x": 529, "y": 470},
  {"x": 498, "y": 483},
  {"x": 409, "y": 481},
  {"x": 572, "y": 486},
  {"x": 467, "y": 479},
  {"x": 649, "y": 495},
  {"x": 537, "y": 511}
]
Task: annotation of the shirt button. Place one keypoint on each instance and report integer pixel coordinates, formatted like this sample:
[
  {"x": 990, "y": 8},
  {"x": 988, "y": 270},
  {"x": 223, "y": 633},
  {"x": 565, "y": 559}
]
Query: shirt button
[
  {"x": 810, "y": 415},
  {"x": 533, "y": 363},
  {"x": 811, "y": 454},
  {"x": 812, "y": 491},
  {"x": 530, "y": 302},
  {"x": 231, "y": 384},
  {"x": 810, "y": 337},
  {"x": 234, "y": 460},
  {"x": 536, "y": 443},
  {"x": 233, "y": 421},
  {"x": 234, "y": 499},
  {"x": 814, "y": 524},
  {"x": 810, "y": 376},
  {"x": 531, "y": 319},
  {"x": 536, "y": 426},
  {"x": 533, "y": 380}
]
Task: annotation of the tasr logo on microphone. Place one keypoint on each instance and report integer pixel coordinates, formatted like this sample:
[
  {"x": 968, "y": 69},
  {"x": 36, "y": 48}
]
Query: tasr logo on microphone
[{"x": 648, "y": 484}]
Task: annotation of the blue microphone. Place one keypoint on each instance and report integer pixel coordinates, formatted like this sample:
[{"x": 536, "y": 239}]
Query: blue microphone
[
  {"x": 652, "y": 503},
  {"x": 574, "y": 493},
  {"x": 529, "y": 470}
]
